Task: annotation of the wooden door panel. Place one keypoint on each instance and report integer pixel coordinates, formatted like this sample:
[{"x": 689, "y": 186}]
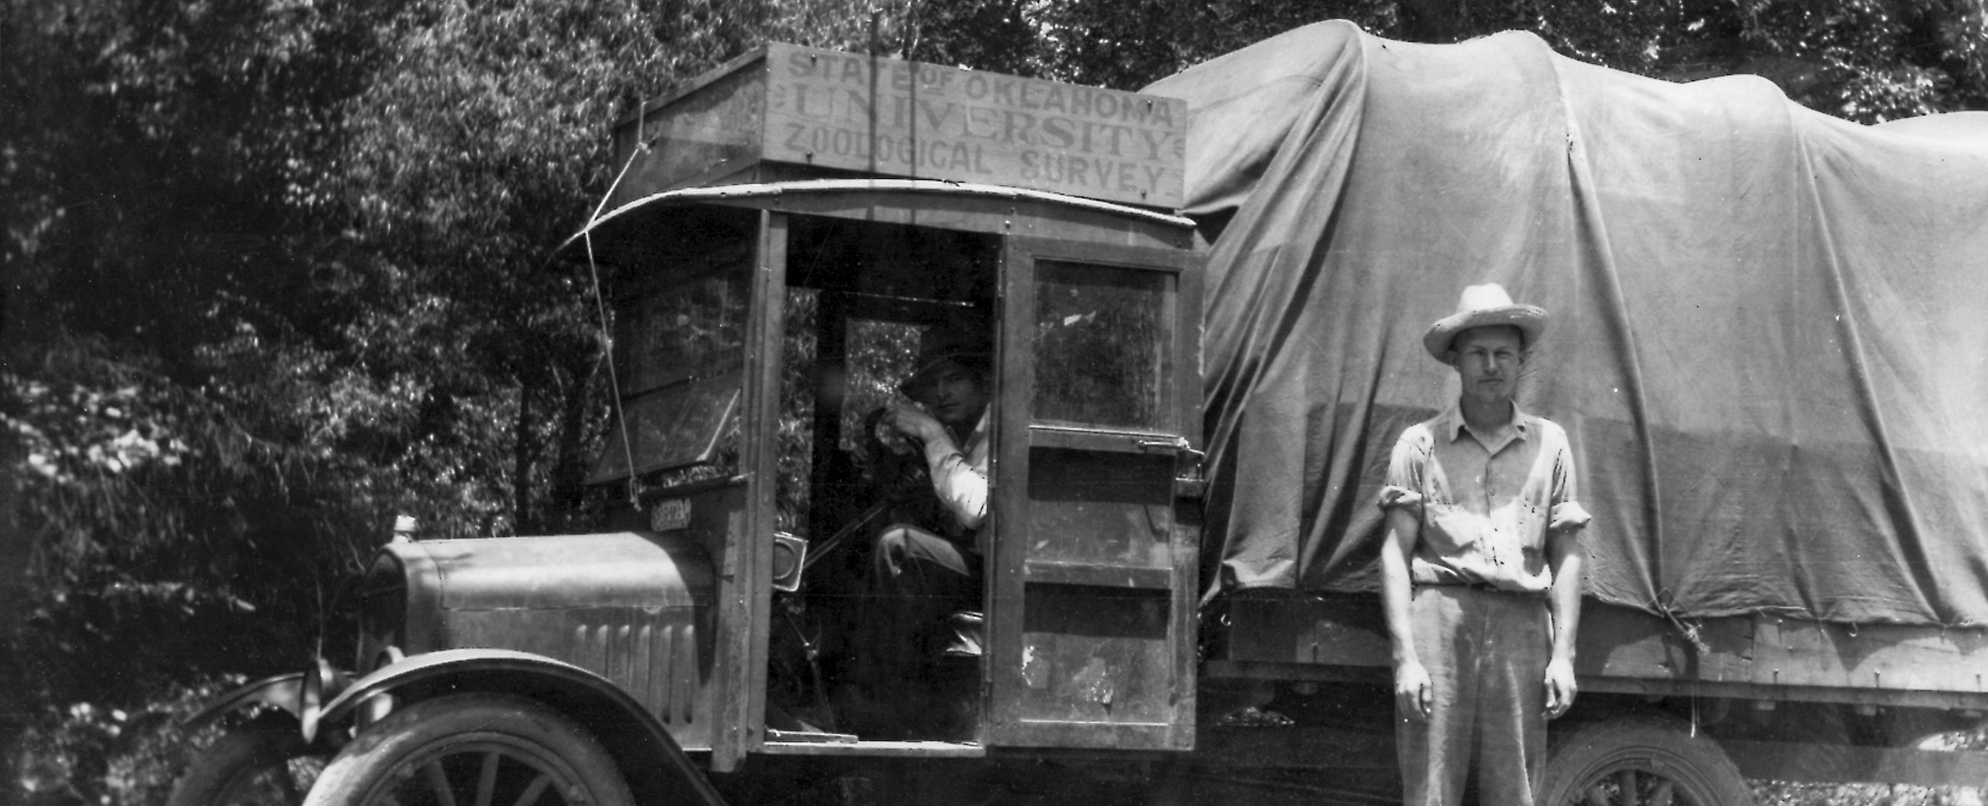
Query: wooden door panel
[{"x": 1092, "y": 641}]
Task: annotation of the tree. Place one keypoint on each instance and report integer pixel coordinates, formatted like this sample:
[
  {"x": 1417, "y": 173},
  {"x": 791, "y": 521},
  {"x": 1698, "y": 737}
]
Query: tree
[
  {"x": 150, "y": 228},
  {"x": 1864, "y": 60},
  {"x": 1129, "y": 45},
  {"x": 281, "y": 274}
]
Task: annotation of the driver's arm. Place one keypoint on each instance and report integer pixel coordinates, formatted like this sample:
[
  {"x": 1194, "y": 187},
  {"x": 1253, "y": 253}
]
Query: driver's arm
[{"x": 959, "y": 474}]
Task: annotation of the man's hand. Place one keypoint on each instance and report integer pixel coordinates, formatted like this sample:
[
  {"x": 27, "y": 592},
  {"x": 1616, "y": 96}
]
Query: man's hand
[
  {"x": 1560, "y": 687},
  {"x": 915, "y": 422},
  {"x": 1414, "y": 695}
]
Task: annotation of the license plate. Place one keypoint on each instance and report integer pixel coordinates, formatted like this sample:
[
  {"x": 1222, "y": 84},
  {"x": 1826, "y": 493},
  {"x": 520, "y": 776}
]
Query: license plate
[{"x": 670, "y": 514}]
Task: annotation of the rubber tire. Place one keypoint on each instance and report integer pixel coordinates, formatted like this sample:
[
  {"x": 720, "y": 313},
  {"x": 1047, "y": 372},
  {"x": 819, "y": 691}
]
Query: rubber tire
[
  {"x": 1654, "y": 749},
  {"x": 220, "y": 776},
  {"x": 380, "y": 765}
]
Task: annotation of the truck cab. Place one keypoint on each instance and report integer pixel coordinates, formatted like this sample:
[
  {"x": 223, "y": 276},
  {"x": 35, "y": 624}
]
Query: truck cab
[
  {"x": 787, "y": 233},
  {"x": 753, "y": 352}
]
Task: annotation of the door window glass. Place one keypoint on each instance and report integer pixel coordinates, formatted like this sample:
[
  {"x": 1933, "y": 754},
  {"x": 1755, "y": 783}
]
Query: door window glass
[{"x": 1102, "y": 346}]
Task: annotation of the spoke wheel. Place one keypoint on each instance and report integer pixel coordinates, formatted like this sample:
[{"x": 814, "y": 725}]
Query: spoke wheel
[
  {"x": 1639, "y": 761},
  {"x": 472, "y": 750},
  {"x": 258, "y": 764}
]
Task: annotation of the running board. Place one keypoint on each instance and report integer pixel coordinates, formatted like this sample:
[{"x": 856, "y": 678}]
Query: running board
[{"x": 796, "y": 743}]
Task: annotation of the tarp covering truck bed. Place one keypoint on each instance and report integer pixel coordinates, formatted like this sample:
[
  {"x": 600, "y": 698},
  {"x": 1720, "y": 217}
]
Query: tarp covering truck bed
[{"x": 1768, "y": 324}]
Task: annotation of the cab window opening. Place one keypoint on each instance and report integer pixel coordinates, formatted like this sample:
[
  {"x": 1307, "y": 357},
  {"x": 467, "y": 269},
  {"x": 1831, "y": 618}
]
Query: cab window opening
[{"x": 865, "y": 302}]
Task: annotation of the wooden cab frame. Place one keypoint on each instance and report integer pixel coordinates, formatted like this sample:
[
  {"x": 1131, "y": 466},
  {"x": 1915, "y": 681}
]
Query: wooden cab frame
[{"x": 1092, "y": 307}]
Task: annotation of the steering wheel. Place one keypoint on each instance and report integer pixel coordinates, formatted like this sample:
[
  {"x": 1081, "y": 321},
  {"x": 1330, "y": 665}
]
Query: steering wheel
[{"x": 895, "y": 466}]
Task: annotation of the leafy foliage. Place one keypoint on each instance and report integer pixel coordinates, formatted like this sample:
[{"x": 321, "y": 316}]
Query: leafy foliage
[
  {"x": 1864, "y": 60},
  {"x": 1132, "y": 44},
  {"x": 117, "y": 755},
  {"x": 280, "y": 274},
  {"x": 162, "y": 479}
]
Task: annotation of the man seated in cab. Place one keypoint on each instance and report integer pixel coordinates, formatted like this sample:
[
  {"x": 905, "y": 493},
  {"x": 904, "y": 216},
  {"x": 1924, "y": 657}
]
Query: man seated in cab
[
  {"x": 1481, "y": 568},
  {"x": 928, "y": 568}
]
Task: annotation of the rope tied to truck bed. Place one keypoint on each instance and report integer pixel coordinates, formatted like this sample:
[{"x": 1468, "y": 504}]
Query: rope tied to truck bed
[{"x": 1664, "y": 605}]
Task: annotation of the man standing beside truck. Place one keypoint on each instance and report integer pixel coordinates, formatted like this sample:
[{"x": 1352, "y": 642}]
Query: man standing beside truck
[{"x": 1481, "y": 568}]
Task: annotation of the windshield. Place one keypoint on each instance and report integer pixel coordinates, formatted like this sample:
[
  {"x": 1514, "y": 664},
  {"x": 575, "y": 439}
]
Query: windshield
[{"x": 682, "y": 375}]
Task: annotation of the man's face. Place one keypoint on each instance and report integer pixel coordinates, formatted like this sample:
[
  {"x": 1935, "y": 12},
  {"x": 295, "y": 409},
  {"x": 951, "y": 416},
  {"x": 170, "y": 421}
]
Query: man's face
[
  {"x": 1488, "y": 360},
  {"x": 957, "y": 395}
]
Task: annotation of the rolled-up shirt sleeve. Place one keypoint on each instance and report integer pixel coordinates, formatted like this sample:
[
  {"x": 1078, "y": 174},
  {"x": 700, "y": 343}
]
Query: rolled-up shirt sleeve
[
  {"x": 959, "y": 475},
  {"x": 1566, "y": 513},
  {"x": 961, "y": 487},
  {"x": 1405, "y": 470}
]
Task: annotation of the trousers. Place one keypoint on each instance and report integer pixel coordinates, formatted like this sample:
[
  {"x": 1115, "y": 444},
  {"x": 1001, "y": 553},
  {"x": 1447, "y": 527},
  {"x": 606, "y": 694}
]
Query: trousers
[
  {"x": 918, "y": 579},
  {"x": 1486, "y": 653}
]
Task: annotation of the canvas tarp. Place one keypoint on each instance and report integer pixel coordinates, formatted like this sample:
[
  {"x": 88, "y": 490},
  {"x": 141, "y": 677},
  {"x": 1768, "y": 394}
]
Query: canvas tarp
[{"x": 1767, "y": 324}]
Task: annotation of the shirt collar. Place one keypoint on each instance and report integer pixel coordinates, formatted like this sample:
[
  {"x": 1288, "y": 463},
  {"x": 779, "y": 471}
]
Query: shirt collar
[
  {"x": 1453, "y": 425},
  {"x": 979, "y": 432}
]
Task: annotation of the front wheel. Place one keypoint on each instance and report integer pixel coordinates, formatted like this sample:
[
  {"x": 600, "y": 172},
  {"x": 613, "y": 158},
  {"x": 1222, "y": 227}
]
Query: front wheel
[
  {"x": 1639, "y": 761},
  {"x": 472, "y": 749},
  {"x": 257, "y": 764}
]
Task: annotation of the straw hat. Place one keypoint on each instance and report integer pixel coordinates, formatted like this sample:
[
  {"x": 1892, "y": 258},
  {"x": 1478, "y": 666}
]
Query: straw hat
[{"x": 1482, "y": 306}]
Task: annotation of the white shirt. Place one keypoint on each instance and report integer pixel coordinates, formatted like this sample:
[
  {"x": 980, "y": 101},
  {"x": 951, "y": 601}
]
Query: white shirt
[
  {"x": 1486, "y": 503},
  {"x": 959, "y": 477}
]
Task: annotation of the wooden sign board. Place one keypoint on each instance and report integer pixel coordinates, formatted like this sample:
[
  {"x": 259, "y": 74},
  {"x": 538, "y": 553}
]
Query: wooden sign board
[{"x": 887, "y": 117}]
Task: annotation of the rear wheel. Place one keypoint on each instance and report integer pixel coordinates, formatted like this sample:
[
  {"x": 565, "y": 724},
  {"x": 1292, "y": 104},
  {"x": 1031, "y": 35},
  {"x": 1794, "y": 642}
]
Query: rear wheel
[
  {"x": 1639, "y": 761},
  {"x": 257, "y": 764},
  {"x": 472, "y": 750}
]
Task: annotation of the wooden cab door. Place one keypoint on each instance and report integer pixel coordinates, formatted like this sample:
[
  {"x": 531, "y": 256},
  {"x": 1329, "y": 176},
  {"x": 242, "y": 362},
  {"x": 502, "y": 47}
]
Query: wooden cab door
[{"x": 1093, "y": 575}]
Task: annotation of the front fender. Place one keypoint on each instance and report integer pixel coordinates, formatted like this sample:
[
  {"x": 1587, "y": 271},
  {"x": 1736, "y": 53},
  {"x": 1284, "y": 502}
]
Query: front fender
[
  {"x": 633, "y": 736},
  {"x": 283, "y": 691},
  {"x": 299, "y": 694}
]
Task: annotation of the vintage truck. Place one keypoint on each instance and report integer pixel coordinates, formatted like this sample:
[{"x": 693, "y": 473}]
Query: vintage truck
[{"x": 1205, "y": 302}]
